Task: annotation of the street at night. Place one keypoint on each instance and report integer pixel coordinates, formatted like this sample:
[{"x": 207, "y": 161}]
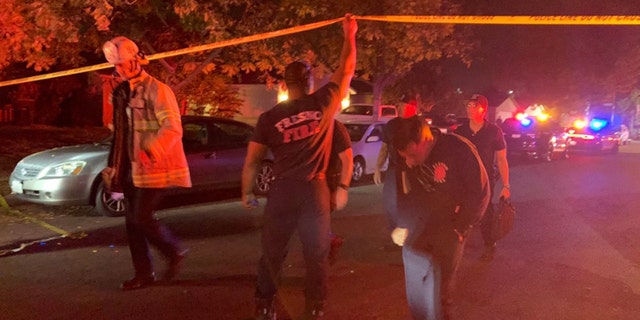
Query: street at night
[{"x": 573, "y": 254}]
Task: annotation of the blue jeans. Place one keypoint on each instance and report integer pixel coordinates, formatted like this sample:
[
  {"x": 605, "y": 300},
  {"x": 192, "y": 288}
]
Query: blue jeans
[{"x": 429, "y": 278}]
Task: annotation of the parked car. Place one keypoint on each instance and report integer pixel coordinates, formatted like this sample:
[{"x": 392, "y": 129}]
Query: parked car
[
  {"x": 532, "y": 138},
  {"x": 366, "y": 140},
  {"x": 589, "y": 140},
  {"x": 215, "y": 150},
  {"x": 444, "y": 122},
  {"x": 365, "y": 112}
]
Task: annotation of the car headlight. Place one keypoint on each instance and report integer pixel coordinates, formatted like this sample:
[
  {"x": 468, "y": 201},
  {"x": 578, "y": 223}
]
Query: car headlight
[{"x": 65, "y": 169}]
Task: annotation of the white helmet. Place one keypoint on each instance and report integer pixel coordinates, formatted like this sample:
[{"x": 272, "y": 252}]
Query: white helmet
[{"x": 121, "y": 49}]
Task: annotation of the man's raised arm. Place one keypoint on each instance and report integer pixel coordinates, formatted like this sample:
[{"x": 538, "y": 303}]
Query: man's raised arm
[{"x": 342, "y": 76}]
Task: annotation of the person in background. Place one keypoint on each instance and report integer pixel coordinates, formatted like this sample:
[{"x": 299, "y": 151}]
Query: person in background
[
  {"x": 489, "y": 140},
  {"x": 299, "y": 132},
  {"x": 444, "y": 193},
  {"x": 146, "y": 157},
  {"x": 389, "y": 189}
]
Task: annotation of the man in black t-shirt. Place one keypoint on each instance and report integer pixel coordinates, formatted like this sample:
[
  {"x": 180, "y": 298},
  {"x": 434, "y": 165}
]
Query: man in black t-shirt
[
  {"x": 298, "y": 132},
  {"x": 489, "y": 140}
]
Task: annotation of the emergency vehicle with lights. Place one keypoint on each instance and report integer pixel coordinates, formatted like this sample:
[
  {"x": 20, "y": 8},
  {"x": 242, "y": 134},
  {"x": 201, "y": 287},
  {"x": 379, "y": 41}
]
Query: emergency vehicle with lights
[
  {"x": 536, "y": 137},
  {"x": 598, "y": 131},
  {"x": 593, "y": 135}
]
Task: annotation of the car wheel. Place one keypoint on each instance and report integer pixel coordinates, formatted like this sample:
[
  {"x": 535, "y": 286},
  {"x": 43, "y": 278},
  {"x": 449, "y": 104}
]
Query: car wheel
[
  {"x": 105, "y": 205},
  {"x": 264, "y": 178},
  {"x": 358, "y": 169}
]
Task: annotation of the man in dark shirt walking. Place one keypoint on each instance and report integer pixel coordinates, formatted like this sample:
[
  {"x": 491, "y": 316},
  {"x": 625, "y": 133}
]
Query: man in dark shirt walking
[{"x": 489, "y": 140}]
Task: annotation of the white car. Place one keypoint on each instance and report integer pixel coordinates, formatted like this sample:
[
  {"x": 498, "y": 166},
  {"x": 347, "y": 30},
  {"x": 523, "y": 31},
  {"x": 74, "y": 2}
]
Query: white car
[
  {"x": 363, "y": 111},
  {"x": 366, "y": 140}
]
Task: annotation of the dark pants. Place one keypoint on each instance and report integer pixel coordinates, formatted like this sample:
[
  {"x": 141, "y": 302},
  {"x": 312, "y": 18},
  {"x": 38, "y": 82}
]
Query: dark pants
[
  {"x": 143, "y": 228},
  {"x": 429, "y": 278},
  {"x": 486, "y": 224},
  {"x": 303, "y": 206}
]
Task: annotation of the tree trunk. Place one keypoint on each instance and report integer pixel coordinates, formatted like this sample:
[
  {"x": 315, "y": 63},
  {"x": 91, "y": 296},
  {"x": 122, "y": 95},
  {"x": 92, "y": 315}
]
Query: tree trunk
[{"x": 378, "y": 88}]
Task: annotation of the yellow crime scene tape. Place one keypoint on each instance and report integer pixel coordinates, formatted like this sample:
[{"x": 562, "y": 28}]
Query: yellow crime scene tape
[
  {"x": 504, "y": 20},
  {"x": 179, "y": 52},
  {"x": 513, "y": 20}
]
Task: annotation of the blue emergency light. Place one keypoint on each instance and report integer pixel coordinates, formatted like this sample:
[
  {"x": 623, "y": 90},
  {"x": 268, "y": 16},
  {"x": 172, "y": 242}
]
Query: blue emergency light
[
  {"x": 525, "y": 122},
  {"x": 597, "y": 124}
]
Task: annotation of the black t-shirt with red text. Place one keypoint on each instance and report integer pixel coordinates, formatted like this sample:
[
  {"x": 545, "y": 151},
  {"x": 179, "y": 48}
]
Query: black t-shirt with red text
[{"x": 287, "y": 130}]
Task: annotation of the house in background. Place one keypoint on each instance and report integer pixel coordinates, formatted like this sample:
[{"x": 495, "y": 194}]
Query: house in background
[
  {"x": 507, "y": 109},
  {"x": 259, "y": 98}
]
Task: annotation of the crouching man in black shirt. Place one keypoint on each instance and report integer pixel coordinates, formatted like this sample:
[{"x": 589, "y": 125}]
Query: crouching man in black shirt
[{"x": 444, "y": 191}]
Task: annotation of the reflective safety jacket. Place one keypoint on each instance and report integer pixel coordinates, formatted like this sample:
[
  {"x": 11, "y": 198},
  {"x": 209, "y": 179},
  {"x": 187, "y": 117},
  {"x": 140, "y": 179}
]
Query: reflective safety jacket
[{"x": 155, "y": 141}]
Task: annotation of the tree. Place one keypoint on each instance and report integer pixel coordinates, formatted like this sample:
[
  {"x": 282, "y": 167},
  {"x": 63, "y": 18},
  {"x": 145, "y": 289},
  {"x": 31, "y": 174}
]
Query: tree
[
  {"x": 53, "y": 35},
  {"x": 389, "y": 51}
]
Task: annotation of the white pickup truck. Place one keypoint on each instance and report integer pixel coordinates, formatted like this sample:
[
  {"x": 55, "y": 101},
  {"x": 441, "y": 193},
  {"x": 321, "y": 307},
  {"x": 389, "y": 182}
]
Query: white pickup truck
[{"x": 365, "y": 112}]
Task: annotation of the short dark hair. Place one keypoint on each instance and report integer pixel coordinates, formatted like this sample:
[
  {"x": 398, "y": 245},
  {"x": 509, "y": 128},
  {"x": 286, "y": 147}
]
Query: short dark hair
[
  {"x": 407, "y": 130},
  {"x": 297, "y": 73}
]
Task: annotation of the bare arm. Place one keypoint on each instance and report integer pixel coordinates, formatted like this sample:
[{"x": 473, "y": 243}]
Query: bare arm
[
  {"x": 382, "y": 157},
  {"x": 342, "y": 76},
  {"x": 346, "y": 158},
  {"x": 342, "y": 194},
  {"x": 503, "y": 168},
  {"x": 255, "y": 154}
]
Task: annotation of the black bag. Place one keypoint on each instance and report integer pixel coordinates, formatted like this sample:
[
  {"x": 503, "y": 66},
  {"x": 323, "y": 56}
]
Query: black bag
[{"x": 503, "y": 219}]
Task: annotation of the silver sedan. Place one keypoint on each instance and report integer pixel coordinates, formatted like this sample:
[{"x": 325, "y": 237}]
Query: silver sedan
[{"x": 215, "y": 149}]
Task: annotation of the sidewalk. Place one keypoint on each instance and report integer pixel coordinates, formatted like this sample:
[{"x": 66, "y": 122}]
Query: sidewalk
[{"x": 25, "y": 224}]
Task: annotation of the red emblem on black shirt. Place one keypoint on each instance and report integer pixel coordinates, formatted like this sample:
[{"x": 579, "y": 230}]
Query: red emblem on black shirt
[{"x": 440, "y": 172}]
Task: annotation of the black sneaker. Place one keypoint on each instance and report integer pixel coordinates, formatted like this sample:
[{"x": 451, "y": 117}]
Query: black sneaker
[
  {"x": 265, "y": 309},
  {"x": 138, "y": 282},
  {"x": 313, "y": 315},
  {"x": 175, "y": 265},
  {"x": 314, "y": 311},
  {"x": 489, "y": 253}
]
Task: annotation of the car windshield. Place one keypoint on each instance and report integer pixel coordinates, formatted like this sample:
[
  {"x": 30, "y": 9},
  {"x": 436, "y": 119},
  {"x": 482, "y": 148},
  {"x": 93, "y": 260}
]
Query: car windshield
[
  {"x": 388, "y": 112},
  {"x": 366, "y": 110},
  {"x": 356, "y": 131}
]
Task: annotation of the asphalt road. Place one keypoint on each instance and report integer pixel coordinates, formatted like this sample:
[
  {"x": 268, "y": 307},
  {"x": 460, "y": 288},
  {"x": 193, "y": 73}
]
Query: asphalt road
[{"x": 573, "y": 254}]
